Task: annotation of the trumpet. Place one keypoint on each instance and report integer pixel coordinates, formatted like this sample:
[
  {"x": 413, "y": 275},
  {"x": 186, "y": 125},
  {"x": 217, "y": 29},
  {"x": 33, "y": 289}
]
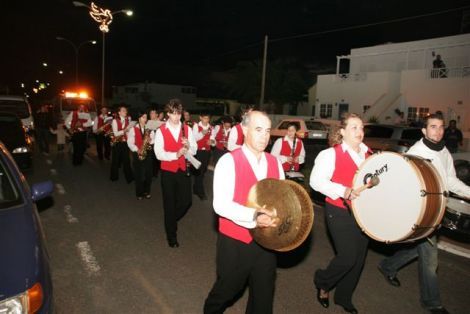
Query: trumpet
[
  {"x": 142, "y": 153},
  {"x": 104, "y": 129},
  {"x": 186, "y": 145},
  {"x": 292, "y": 165}
]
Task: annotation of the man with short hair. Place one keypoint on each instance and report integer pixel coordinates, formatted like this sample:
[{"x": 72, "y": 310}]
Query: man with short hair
[
  {"x": 120, "y": 153},
  {"x": 453, "y": 137},
  {"x": 431, "y": 147},
  {"x": 101, "y": 127},
  {"x": 78, "y": 121},
  {"x": 202, "y": 132}
]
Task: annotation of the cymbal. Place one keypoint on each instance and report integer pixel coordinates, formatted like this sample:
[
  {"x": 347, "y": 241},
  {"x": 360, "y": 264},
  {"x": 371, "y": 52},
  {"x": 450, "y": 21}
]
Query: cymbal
[{"x": 294, "y": 209}]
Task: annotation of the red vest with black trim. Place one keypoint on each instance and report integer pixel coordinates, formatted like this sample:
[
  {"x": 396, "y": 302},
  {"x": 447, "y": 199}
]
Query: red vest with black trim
[
  {"x": 121, "y": 127},
  {"x": 221, "y": 138},
  {"x": 170, "y": 145},
  {"x": 240, "y": 136},
  {"x": 75, "y": 119},
  {"x": 138, "y": 139},
  {"x": 245, "y": 178},
  {"x": 344, "y": 172},
  {"x": 286, "y": 150},
  {"x": 202, "y": 144}
]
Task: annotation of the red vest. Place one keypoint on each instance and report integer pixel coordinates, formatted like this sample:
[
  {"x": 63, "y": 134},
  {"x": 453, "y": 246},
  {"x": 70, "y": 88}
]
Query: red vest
[
  {"x": 100, "y": 122},
  {"x": 122, "y": 127},
  {"x": 138, "y": 139},
  {"x": 75, "y": 119},
  {"x": 245, "y": 178},
  {"x": 344, "y": 172},
  {"x": 202, "y": 143},
  {"x": 286, "y": 150},
  {"x": 221, "y": 138},
  {"x": 240, "y": 136},
  {"x": 170, "y": 145}
]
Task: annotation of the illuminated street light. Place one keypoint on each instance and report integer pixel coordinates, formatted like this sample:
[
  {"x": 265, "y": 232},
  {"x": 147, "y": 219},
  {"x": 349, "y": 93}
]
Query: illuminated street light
[
  {"x": 44, "y": 64},
  {"x": 61, "y": 72},
  {"x": 76, "y": 48},
  {"x": 104, "y": 17},
  {"x": 37, "y": 81},
  {"x": 22, "y": 85}
]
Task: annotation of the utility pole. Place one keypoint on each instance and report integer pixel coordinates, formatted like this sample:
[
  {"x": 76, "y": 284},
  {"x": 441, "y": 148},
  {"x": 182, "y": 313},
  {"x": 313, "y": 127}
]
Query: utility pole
[{"x": 263, "y": 75}]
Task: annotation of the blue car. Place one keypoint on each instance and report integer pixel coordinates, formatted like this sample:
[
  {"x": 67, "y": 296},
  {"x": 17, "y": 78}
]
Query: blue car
[{"x": 25, "y": 280}]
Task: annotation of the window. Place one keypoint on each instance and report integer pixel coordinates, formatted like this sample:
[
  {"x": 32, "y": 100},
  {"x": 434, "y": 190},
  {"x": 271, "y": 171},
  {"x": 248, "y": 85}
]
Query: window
[
  {"x": 417, "y": 113},
  {"x": 18, "y": 107},
  {"x": 131, "y": 90},
  {"x": 315, "y": 125},
  {"x": 378, "y": 131},
  {"x": 284, "y": 125},
  {"x": 188, "y": 90},
  {"x": 326, "y": 111},
  {"x": 365, "y": 108},
  {"x": 9, "y": 194},
  {"x": 411, "y": 134}
]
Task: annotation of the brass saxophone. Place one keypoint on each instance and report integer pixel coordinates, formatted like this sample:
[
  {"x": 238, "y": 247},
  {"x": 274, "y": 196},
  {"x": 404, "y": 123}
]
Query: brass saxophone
[{"x": 143, "y": 151}]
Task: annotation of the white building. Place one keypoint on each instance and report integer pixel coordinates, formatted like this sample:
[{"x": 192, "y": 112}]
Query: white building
[
  {"x": 143, "y": 95},
  {"x": 400, "y": 76}
]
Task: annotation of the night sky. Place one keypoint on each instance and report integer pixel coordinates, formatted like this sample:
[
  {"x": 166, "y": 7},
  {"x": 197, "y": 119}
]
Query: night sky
[{"x": 184, "y": 41}]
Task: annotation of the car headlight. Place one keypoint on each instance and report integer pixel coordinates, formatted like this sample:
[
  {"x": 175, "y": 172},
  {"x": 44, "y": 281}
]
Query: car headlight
[
  {"x": 16, "y": 305},
  {"x": 18, "y": 150}
]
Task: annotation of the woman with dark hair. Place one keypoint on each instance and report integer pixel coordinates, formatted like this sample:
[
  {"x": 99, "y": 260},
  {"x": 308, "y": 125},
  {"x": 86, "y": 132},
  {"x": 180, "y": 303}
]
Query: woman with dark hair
[
  {"x": 332, "y": 175},
  {"x": 140, "y": 141},
  {"x": 289, "y": 149}
]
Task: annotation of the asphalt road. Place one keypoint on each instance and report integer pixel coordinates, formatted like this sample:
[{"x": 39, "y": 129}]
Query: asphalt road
[{"x": 109, "y": 254}]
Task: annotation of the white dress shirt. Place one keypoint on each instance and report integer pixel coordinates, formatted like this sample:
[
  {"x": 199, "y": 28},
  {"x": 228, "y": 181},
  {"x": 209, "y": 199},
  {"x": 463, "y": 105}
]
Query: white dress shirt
[
  {"x": 198, "y": 135},
  {"x": 232, "y": 139},
  {"x": 224, "y": 187},
  {"x": 81, "y": 116},
  {"x": 277, "y": 147},
  {"x": 105, "y": 118},
  {"x": 131, "y": 138},
  {"x": 175, "y": 131},
  {"x": 154, "y": 124},
  {"x": 116, "y": 132},
  {"x": 324, "y": 167}
]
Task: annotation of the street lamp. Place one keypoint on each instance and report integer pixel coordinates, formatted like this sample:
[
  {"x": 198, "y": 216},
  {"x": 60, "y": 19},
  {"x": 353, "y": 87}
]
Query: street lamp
[
  {"x": 103, "y": 17},
  {"x": 76, "y": 48}
]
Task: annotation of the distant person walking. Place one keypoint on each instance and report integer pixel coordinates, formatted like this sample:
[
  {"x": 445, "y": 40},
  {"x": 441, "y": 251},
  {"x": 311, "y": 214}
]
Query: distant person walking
[
  {"x": 43, "y": 124},
  {"x": 453, "y": 137}
]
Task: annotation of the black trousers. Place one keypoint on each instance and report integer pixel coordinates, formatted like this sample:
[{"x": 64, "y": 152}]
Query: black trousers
[
  {"x": 203, "y": 156},
  {"x": 177, "y": 198},
  {"x": 155, "y": 163},
  {"x": 42, "y": 138},
  {"x": 217, "y": 153},
  {"x": 103, "y": 143},
  {"x": 121, "y": 155},
  {"x": 238, "y": 264},
  {"x": 142, "y": 174},
  {"x": 79, "y": 147},
  {"x": 345, "y": 268}
]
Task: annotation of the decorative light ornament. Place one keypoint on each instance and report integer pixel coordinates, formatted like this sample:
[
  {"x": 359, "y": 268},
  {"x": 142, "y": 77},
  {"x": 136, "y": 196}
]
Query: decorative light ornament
[{"x": 102, "y": 16}]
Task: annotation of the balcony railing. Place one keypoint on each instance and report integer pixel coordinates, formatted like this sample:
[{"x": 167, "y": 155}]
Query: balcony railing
[{"x": 442, "y": 73}]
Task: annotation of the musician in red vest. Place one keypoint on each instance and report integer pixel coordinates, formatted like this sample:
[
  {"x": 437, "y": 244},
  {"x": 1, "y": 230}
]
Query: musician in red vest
[
  {"x": 289, "y": 149},
  {"x": 140, "y": 141},
  {"x": 202, "y": 132},
  {"x": 240, "y": 260},
  {"x": 332, "y": 175},
  {"x": 120, "y": 154},
  {"x": 77, "y": 122},
  {"x": 173, "y": 142},
  {"x": 101, "y": 126},
  {"x": 220, "y": 138},
  {"x": 236, "y": 137}
]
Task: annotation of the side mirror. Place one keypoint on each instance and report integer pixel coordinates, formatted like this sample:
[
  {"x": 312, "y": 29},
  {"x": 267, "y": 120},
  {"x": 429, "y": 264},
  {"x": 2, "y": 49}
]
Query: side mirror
[{"x": 41, "y": 190}]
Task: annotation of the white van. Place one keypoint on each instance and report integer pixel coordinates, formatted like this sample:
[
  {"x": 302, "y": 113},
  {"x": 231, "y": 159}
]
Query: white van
[{"x": 18, "y": 105}]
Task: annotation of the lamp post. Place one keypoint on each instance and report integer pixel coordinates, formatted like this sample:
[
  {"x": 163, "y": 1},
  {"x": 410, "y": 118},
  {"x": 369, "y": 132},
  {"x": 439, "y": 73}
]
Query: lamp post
[
  {"x": 76, "y": 48},
  {"x": 103, "y": 17}
]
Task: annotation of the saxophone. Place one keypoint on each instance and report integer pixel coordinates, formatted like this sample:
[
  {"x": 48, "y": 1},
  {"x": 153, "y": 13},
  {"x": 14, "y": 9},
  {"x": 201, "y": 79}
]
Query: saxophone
[{"x": 143, "y": 151}]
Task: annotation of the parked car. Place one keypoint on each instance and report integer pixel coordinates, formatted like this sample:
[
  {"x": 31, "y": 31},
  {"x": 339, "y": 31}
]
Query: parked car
[
  {"x": 19, "y": 106},
  {"x": 308, "y": 130},
  {"x": 396, "y": 138},
  {"x": 16, "y": 139},
  {"x": 25, "y": 281}
]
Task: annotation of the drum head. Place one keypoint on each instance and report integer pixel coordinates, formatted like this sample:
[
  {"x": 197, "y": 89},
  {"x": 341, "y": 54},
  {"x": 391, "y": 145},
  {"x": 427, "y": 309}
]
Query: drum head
[
  {"x": 388, "y": 211},
  {"x": 294, "y": 210}
]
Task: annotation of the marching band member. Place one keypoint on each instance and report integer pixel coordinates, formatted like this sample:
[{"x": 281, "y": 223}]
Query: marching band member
[
  {"x": 139, "y": 140},
  {"x": 431, "y": 147},
  {"x": 120, "y": 150},
  {"x": 187, "y": 119},
  {"x": 101, "y": 126},
  {"x": 173, "y": 141},
  {"x": 202, "y": 132},
  {"x": 77, "y": 122},
  {"x": 332, "y": 175},
  {"x": 236, "y": 137},
  {"x": 240, "y": 260},
  {"x": 290, "y": 149},
  {"x": 220, "y": 137},
  {"x": 155, "y": 121}
]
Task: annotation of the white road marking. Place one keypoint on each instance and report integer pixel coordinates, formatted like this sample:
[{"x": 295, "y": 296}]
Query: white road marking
[
  {"x": 60, "y": 188},
  {"x": 53, "y": 172},
  {"x": 454, "y": 249},
  {"x": 91, "y": 264},
  {"x": 68, "y": 214},
  {"x": 49, "y": 162}
]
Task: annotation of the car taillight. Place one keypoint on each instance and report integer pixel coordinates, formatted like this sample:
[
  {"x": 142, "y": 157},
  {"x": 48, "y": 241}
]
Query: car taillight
[
  {"x": 35, "y": 298},
  {"x": 303, "y": 134}
]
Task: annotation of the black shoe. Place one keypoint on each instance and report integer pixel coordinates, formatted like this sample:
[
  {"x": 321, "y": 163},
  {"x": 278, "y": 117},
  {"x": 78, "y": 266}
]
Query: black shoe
[
  {"x": 351, "y": 310},
  {"x": 325, "y": 302},
  {"x": 392, "y": 280},
  {"x": 139, "y": 198},
  {"x": 173, "y": 243},
  {"x": 148, "y": 196},
  {"x": 203, "y": 197},
  {"x": 438, "y": 310}
]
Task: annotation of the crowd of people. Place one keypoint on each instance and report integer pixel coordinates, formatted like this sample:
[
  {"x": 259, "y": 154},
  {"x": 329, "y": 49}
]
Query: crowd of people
[{"x": 170, "y": 145}]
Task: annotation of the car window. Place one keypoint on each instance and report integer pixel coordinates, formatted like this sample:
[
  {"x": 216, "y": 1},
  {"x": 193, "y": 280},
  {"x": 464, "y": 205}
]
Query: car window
[
  {"x": 9, "y": 193},
  {"x": 284, "y": 125},
  {"x": 378, "y": 131},
  {"x": 313, "y": 125},
  {"x": 18, "y": 107},
  {"x": 411, "y": 134}
]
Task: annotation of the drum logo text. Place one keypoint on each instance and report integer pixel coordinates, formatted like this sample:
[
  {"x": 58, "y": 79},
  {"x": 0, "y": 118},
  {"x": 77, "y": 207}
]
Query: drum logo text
[{"x": 377, "y": 173}]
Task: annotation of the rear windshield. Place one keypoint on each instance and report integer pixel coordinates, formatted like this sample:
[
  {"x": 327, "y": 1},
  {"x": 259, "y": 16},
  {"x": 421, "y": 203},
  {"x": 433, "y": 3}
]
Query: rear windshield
[
  {"x": 412, "y": 134},
  {"x": 18, "y": 107},
  {"x": 71, "y": 104},
  {"x": 285, "y": 124},
  {"x": 9, "y": 194},
  {"x": 313, "y": 125},
  {"x": 378, "y": 131}
]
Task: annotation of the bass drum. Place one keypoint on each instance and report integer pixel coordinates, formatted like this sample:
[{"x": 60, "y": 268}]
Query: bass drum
[{"x": 407, "y": 204}]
